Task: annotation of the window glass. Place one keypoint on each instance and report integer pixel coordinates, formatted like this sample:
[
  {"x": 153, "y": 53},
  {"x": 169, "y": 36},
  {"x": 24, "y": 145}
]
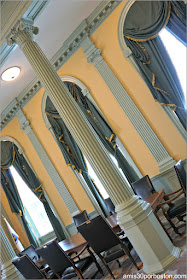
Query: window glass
[
  {"x": 32, "y": 205},
  {"x": 96, "y": 180},
  {"x": 177, "y": 53}
]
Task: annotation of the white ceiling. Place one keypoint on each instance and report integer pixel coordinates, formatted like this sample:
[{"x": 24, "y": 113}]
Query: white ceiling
[{"x": 56, "y": 23}]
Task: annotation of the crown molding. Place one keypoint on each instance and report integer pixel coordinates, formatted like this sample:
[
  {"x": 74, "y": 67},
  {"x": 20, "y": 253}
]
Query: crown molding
[
  {"x": 70, "y": 46},
  {"x": 13, "y": 11}
]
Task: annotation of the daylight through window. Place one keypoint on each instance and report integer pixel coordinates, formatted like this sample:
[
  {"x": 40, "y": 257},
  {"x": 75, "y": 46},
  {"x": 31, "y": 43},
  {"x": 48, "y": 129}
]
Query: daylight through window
[
  {"x": 32, "y": 205},
  {"x": 177, "y": 53}
]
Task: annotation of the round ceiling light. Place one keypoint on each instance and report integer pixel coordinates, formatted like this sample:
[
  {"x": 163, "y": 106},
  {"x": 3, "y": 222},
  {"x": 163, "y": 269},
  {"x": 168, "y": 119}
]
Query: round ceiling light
[{"x": 10, "y": 74}]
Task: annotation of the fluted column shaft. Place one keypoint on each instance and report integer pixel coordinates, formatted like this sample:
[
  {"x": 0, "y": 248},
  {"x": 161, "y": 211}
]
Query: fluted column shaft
[
  {"x": 164, "y": 160},
  {"x": 52, "y": 172},
  {"x": 7, "y": 255},
  {"x": 134, "y": 215},
  {"x": 117, "y": 188}
]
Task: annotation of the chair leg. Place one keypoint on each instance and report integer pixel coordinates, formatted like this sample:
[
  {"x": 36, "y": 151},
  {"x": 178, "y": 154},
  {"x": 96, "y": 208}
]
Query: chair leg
[
  {"x": 96, "y": 263},
  {"x": 109, "y": 270},
  {"x": 173, "y": 226},
  {"x": 127, "y": 252},
  {"x": 118, "y": 263},
  {"x": 170, "y": 222},
  {"x": 106, "y": 265},
  {"x": 163, "y": 226},
  {"x": 133, "y": 261}
]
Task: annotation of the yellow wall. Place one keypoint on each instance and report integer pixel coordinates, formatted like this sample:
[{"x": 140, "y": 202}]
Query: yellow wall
[
  {"x": 104, "y": 38},
  {"x": 33, "y": 112},
  {"x": 14, "y": 220}
]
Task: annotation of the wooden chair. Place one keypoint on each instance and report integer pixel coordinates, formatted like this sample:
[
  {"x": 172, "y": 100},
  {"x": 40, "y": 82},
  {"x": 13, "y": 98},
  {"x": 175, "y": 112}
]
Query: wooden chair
[
  {"x": 181, "y": 174},
  {"x": 64, "y": 266},
  {"x": 31, "y": 253},
  {"x": 80, "y": 218},
  {"x": 177, "y": 206},
  {"x": 104, "y": 242},
  {"x": 28, "y": 268},
  {"x": 143, "y": 187},
  {"x": 110, "y": 205}
]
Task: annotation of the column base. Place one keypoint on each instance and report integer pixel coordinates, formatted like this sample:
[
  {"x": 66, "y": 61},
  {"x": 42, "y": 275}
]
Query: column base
[
  {"x": 166, "y": 164},
  {"x": 147, "y": 236},
  {"x": 165, "y": 264},
  {"x": 10, "y": 272}
]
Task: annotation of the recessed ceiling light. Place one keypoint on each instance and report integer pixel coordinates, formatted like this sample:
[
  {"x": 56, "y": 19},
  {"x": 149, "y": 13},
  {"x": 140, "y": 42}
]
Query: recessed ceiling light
[{"x": 10, "y": 74}]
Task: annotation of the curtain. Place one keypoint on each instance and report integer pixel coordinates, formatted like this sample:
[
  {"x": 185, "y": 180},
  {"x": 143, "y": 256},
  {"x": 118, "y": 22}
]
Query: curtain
[
  {"x": 71, "y": 152},
  {"x": 177, "y": 21},
  {"x": 10, "y": 189},
  {"x": 149, "y": 53},
  {"x": 103, "y": 130},
  {"x": 27, "y": 174}
]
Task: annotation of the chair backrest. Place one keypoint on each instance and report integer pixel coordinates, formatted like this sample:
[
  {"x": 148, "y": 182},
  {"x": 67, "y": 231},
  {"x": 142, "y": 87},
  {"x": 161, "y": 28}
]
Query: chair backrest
[
  {"x": 54, "y": 256},
  {"x": 28, "y": 268},
  {"x": 99, "y": 235},
  {"x": 80, "y": 218},
  {"x": 143, "y": 187},
  {"x": 30, "y": 252},
  {"x": 181, "y": 174},
  {"x": 110, "y": 205}
]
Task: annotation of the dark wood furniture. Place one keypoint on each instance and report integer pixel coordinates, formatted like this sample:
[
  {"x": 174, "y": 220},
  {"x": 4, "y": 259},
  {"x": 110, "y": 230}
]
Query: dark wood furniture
[
  {"x": 28, "y": 268},
  {"x": 76, "y": 242},
  {"x": 110, "y": 205},
  {"x": 155, "y": 198},
  {"x": 177, "y": 202},
  {"x": 64, "y": 266},
  {"x": 73, "y": 244},
  {"x": 80, "y": 218},
  {"x": 181, "y": 175},
  {"x": 105, "y": 243},
  {"x": 31, "y": 252},
  {"x": 143, "y": 187}
]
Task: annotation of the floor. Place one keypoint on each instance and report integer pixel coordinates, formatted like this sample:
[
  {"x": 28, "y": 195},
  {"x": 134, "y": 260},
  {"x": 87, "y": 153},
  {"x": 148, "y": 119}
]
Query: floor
[{"x": 128, "y": 271}]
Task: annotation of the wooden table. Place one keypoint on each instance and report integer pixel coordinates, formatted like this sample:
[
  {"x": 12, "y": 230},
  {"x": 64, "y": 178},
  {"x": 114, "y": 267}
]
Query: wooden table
[
  {"x": 73, "y": 244},
  {"x": 155, "y": 198},
  {"x": 76, "y": 242}
]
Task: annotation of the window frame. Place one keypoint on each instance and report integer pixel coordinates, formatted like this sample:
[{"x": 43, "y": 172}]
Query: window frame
[
  {"x": 128, "y": 54},
  {"x": 20, "y": 150},
  {"x": 85, "y": 92}
]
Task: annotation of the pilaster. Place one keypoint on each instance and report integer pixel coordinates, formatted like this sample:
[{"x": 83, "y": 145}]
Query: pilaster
[
  {"x": 51, "y": 170},
  {"x": 164, "y": 160},
  {"x": 7, "y": 255}
]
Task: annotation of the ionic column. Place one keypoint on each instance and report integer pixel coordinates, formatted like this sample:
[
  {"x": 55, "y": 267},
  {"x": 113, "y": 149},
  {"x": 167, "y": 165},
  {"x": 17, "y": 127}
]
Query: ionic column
[
  {"x": 51, "y": 170},
  {"x": 135, "y": 216},
  {"x": 164, "y": 160},
  {"x": 7, "y": 255}
]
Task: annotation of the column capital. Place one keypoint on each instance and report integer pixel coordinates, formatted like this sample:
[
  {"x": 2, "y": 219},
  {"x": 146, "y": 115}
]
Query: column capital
[
  {"x": 24, "y": 122},
  {"x": 93, "y": 53},
  {"x": 22, "y": 31}
]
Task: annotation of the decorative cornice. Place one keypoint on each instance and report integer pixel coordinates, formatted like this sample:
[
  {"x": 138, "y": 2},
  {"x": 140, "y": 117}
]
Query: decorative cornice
[{"x": 70, "y": 46}]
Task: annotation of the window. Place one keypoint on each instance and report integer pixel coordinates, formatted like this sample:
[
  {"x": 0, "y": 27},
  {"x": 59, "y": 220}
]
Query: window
[
  {"x": 96, "y": 179},
  {"x": 177, "y": 53},
  {"x": 34, "y": 208}
]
